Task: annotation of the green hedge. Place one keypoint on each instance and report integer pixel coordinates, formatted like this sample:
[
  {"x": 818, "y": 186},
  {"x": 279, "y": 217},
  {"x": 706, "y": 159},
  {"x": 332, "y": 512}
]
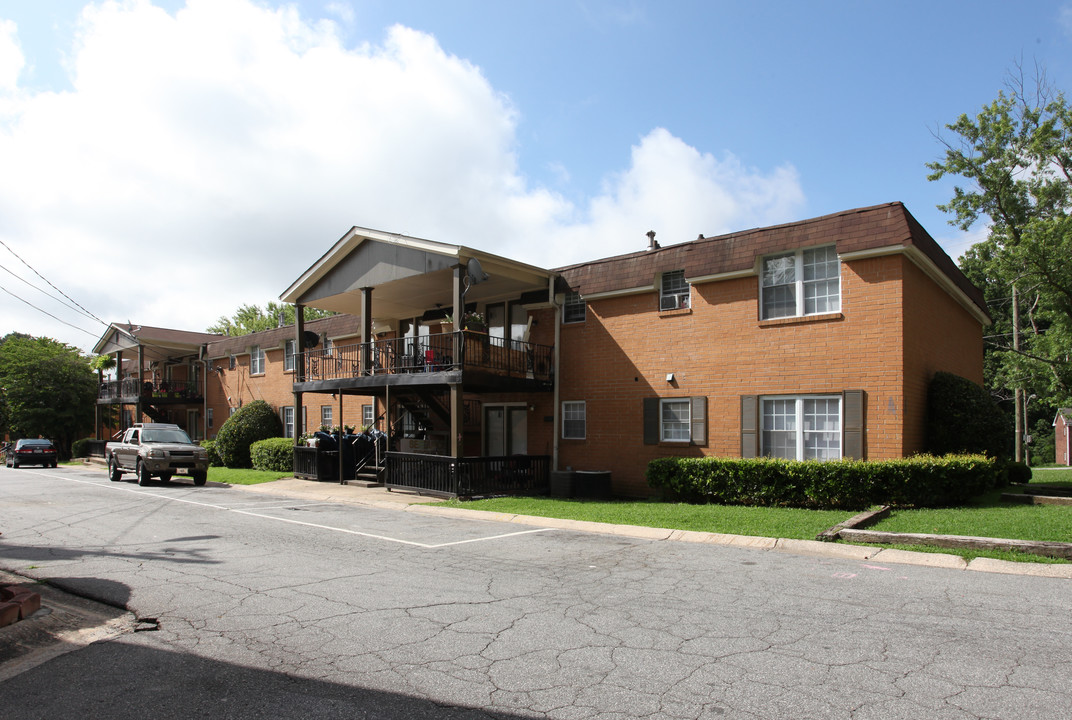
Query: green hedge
[
  {"x": 962, "y": 417},
  {"x": 214, "y": 458},
  {"x": 80, "y": 448},
  {"x": 250, "y": 423},
  {"x": 276, "y": 454},
  {"x": 921, "y": 481}
]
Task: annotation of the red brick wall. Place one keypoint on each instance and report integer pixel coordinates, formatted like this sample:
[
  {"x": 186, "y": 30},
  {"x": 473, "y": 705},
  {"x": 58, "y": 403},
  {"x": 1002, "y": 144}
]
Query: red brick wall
[
  {"x": 720, "y": 349},
  {"x": 275, "y": 387},
  {"x": 939, "y": 335}
]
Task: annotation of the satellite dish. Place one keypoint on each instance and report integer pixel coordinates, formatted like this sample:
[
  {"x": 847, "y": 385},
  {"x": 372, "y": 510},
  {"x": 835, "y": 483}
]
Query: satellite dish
[
  {"x": 310, "y": 339},
  {"x": 475, "y": 272}
]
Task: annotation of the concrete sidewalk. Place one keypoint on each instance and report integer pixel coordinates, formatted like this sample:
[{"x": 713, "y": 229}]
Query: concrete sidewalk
[{"x": 411, "y": 502}]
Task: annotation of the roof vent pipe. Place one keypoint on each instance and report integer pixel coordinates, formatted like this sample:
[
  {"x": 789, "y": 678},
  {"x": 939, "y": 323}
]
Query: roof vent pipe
[{"x": 652, "y": 245}]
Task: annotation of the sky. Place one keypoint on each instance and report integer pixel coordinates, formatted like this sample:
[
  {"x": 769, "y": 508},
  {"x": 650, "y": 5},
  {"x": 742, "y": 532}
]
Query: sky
[{"x": 165, "y": 162}]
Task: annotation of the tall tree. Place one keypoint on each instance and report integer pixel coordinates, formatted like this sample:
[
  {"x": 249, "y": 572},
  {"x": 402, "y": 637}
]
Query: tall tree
[
  {"x": 251, "y": 318},
  {"x": 1015, "y": 158},
  {"x": 47, "y": 389}
]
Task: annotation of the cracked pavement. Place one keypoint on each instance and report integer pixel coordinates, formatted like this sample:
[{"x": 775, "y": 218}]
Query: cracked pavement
[{"x": 273, "y": 606}]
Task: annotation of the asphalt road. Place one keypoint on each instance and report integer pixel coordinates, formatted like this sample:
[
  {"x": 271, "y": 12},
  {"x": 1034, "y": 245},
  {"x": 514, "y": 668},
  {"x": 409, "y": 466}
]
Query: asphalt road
[{"x": 248, "y": 605}]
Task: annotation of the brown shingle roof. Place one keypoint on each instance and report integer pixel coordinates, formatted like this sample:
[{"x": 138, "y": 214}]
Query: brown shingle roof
[
  {"x": 869, "y": 228},
  {"x": 334, "y": 326}
]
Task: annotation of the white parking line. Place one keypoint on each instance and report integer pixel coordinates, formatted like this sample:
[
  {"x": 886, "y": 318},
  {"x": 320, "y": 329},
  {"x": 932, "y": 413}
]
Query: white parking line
[{"x": 430, "y": 546}]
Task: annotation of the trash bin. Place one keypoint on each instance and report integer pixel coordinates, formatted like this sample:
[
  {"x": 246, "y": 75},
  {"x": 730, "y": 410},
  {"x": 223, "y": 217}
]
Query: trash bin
[
  {"x": 562, "y": 483},
  {"x": 592, "y": 484}
]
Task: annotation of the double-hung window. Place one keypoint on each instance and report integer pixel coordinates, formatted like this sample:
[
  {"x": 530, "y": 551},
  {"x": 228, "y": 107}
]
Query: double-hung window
[
  {"x": 256, "y": 360},
  {"x": 573, "y": 310},
  {"x": 674, "y": 291},
  {"x": 367, "y": 417},
  {"x": 674, "y": 422},
  {"x": 801, "y": 428},
  {"x": 327, "y": 413},
  {"x": 288, "y": 356},
  {"x": 805, "y": 282},
  {"x": 288, "y": 421},
  {"x": 573, "y": 420}
]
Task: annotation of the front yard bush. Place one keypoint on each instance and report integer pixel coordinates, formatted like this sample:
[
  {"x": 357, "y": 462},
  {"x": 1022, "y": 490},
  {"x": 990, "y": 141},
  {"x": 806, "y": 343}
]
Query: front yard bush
[
  {"x": 275, "y": 454},
  {"x": 250, "y": 423},
  {"x": 214, "y": 459},
  {"x": 921, "y": 481},
  {"x": 80, "y": 448},
  {"x": 962, "y": 417}
]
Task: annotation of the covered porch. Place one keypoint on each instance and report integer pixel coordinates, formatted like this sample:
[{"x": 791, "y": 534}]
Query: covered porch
[{"x": 449, "y": 337}]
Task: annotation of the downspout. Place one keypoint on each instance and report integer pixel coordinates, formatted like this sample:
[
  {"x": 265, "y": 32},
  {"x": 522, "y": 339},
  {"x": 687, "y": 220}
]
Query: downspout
[
  {"x": 204, "y": 392},
  {"x": 556, "y": 377}
]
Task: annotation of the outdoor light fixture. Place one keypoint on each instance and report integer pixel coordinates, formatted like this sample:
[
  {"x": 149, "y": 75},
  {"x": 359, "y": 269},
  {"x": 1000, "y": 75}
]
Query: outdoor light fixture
[{"x": 669, "y": 377}]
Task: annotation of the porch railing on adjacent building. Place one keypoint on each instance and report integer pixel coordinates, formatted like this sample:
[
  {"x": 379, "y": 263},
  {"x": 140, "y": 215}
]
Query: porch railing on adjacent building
[
  {"x": 164, "y": 389},
  {"x": 431, "y": 353},
  {"x": 470, "y": 476}
]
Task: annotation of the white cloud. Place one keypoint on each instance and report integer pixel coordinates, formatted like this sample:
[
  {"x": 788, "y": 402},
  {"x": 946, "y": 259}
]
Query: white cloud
[
  {"x": 204, "y": 159},
  {"x": 11, "y": 57}
]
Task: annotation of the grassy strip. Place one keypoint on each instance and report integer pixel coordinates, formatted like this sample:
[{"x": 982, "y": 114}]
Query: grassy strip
[
  {"x": 1051, "y": 476},
  {"x": 986, "y": 517},
  {"x": 969, "y": 555},
  {"x": 733, "y": 519},
  {"x": 244, "y": 476}
]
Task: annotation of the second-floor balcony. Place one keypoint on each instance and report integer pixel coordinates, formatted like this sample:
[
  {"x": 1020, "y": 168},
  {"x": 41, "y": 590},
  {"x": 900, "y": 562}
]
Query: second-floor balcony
[
  {"x": 465, "y": 351},
  {"x": 131, "y": 389}
]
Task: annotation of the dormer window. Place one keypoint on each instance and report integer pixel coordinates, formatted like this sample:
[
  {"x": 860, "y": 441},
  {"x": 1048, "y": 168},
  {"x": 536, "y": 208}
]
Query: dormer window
[
  {"x": 674, "y": 291},
  {"x": 805, "y": 282}
]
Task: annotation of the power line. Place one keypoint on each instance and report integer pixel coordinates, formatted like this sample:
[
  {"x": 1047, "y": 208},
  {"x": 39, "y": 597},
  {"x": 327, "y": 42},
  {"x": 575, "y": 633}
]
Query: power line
[
  {"x": 46, "y": 294},
  {"x": 87, "y": 312},
  {"x": 87, "y": 332}
]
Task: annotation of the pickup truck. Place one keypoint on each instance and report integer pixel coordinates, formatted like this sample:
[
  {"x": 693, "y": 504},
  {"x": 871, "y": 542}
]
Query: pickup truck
[{"x": 159, "y": 449}]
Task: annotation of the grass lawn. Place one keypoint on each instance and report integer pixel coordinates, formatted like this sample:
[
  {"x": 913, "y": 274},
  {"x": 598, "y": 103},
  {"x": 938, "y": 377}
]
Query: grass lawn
[
  {"x": 986, "y": 517},
  {"x": 1052, "y": 475},
  {"x": 237, "y": 476},
  {"x": 731, "y": 519}
]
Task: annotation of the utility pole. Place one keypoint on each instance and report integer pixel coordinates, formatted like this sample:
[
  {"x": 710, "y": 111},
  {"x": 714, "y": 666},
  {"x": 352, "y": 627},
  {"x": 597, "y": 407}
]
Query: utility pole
[{"x": 1019, "y": 410}]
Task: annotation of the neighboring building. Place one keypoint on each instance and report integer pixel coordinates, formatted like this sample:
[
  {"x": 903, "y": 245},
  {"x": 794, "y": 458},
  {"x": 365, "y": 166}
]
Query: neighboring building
[
  {"x": 814, "y": 339},
  {"x": 1062, "y": 441},
  {"x": 198, "y": 380},
  {"x": 159, "y": 377}
]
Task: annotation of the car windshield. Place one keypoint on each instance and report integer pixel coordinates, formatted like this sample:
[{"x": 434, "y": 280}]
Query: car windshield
[{"x": 172, "y": 435}]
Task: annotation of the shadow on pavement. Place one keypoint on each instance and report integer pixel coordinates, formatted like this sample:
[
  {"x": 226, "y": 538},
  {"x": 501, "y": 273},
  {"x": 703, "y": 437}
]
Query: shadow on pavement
[{"x": 121, "y": 680}]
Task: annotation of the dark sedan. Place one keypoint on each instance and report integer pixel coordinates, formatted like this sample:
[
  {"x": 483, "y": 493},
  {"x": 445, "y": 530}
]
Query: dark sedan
[{"x": 32, "y": 452}]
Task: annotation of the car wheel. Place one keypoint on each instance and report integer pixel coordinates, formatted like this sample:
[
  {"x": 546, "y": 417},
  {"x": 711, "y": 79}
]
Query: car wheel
[
  {"x": 114, "y": 473},
  {"x": 14, "y": 465},
  {"x": 55, "y": 463},
  {"x": 144, "y": 477},
  {"x": 200, "y": 478}
]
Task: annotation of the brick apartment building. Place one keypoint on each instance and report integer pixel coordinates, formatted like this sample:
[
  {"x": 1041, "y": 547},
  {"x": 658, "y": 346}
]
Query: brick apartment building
[{"x": 813, "y": 339}]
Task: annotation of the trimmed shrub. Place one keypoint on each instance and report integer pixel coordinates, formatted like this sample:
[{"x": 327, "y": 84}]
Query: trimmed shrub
[
  {"x": 275, "y": 454},
  {"x": 250, "y": 423},
  {"x": 962, "y": 417},
  {"x": 1018, "y": 473},
  {"x": 80, "y": 448},
  {"x": 213, "y": 456},
  {"x": 921, "y": 481}
]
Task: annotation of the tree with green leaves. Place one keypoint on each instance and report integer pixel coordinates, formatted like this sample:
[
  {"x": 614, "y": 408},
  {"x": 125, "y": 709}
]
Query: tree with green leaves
[
  {"x": 47, "y": 389},
  {"x": 252, "y": 318},
  {"x": 1015, "y": 160}
]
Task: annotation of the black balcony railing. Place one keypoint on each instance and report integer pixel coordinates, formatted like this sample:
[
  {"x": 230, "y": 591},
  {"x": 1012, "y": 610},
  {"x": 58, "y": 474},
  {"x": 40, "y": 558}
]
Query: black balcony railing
[
  {"x": 431, "y": 353},
  {"x": 182, "y": 390}
]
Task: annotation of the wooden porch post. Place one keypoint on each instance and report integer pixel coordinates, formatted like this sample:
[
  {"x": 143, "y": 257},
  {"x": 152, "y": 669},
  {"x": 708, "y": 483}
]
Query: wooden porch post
[
  {"x": 457, "y": 390},
  {"x": 299, "y": 364},
  {"x": 141, "y": 364},
  {"x": 366, "y": 330}
]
